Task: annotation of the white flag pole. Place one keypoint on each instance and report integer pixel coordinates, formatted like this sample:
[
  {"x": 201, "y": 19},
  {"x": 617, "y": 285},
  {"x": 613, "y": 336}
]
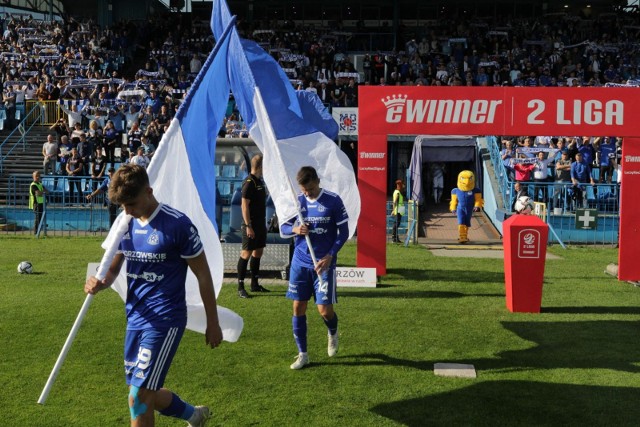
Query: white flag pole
[
  {"x": 120, "y": 230},
  {"x": 272, "y": 136}
]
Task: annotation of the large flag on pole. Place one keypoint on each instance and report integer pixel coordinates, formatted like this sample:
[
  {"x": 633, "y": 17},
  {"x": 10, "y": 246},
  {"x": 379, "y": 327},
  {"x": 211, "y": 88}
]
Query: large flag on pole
[
  {"x": 182, "y": 175},
  {"x": 287, "y": 127}
]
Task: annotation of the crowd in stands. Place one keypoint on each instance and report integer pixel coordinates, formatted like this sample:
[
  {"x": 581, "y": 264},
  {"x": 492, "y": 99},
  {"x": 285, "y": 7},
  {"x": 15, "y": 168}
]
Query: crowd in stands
[
  {"x": 92, "y": 72},
  {"x": 571, "y": 164}
]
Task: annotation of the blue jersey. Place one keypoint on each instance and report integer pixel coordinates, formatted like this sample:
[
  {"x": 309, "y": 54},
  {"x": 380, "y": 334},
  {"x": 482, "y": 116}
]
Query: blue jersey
[
  {"x": 327, "y": 219},
  {"x": 156, "y": 253},
  {"x": 607, "y": 153}
]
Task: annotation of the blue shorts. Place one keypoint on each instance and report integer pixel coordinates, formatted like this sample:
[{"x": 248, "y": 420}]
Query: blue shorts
[
  {"x": 303, "y": 282},
  {"x": 148, "y": 354}
]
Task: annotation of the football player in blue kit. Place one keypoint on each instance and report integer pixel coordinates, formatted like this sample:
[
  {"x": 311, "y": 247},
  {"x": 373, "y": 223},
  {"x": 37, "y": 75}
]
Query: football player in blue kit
[
  {"x": 159, "y": 246},
  {"x": 325, "y": 221}
]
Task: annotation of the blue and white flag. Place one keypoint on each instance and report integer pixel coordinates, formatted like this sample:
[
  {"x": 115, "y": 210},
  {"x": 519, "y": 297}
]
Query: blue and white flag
[
  {"x": 182, "y": 175},
  {"x": 288, "y": 128}
]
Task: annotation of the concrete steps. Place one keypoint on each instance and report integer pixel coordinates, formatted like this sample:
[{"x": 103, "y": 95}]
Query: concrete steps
[{"x": 23, "y": 160}]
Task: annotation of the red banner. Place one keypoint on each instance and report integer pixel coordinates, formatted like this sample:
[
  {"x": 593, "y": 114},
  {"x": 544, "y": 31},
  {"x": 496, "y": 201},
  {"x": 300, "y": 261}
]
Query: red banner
[
  {"x": 427, "y": 110},
  {"x": 629, "y": 249},
  {"x": 441, "y": 110}
]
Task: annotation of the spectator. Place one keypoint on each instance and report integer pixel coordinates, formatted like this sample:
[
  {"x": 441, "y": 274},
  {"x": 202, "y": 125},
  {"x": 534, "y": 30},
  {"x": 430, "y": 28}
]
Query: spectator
[
  {"x": 75, "y": 134},
  {"x": 153, "y": 102},
  {"x": 606, "y": 158},
  {"x": 74, "y": 172},
  {"x": 94, "y": 135},
  {"x": 60, "y": 128},
  {"x": 64, "y": 152},
  {"x": 85, "y": 151},
  {"x": 520, "y": 190},
  {"x": 140, "y": 159},
  {"x": 98, "y": 166},
  {"x": 507, "y": 155},
  {"x": 152, "y": 135},
  {"x": 351, "y": 94},
  {"x": 587, "y": 150},
  {"x": 580, "y": 174},
  {"x": 30, "y": 89},
  {"x": 195, "y": 64},
  {"x": 135, "y": 137},
  {"x": 42, "y": 93},
  {"x": 9, "y": 100},
  {"x": 523, "y": 170},
  {"x": 562, "y": 179},
  {"x": 147, "y": 147},
  {"x": 50, "y": 156},
  {"x": 110, "y": 142},
  {"x": 164, "y": 116},
  {"x": 541, "y": 175}
]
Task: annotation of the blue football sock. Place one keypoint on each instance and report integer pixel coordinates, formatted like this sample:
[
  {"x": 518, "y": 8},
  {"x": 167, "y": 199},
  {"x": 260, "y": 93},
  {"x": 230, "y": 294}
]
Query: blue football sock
[
  {"x": 332, "y": 324},
  {"x": 178, "y": 409},
  {"x": 300, "y": 332}
]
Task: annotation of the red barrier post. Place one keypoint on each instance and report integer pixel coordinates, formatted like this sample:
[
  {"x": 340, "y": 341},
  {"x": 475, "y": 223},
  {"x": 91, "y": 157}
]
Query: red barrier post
[{"x": 525, "y": 249}]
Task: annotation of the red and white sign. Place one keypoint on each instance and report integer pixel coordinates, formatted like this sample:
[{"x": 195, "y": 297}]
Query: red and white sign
[
  {"x": 430, "y": 110},
  {"x": 629, "y": 246},
  {"x": 353, "y": 277}
]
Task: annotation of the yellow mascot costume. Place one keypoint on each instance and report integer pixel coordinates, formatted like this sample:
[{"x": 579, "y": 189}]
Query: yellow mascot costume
[{"x": 465, "y": 200}]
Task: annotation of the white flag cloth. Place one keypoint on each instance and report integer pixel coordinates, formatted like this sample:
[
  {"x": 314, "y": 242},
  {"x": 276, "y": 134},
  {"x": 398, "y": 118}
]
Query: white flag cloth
[
  {"x": 182, "y": 175},
  {"x": 291, "y": 128}
]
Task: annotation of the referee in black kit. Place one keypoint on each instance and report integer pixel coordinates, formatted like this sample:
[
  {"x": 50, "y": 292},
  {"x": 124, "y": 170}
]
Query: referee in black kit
[{"x": 254, "y": 227}]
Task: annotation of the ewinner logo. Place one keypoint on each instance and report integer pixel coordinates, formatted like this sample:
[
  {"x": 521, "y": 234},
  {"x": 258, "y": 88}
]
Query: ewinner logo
[{"x": 461, "y": 111}]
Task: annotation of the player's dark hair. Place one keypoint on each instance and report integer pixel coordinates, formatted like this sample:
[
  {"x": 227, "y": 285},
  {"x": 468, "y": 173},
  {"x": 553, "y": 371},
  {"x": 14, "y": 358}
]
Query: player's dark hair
[
  {"x": 127, "y": 183},
  {"x": 307, "y": 174}
]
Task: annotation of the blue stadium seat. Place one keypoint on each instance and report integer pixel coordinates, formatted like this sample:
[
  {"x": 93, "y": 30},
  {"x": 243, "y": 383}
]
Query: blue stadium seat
[
  {"x": 224, "y": 187},
  {"x": 592, "y": 201},
  {"x": 235, "y": 213},
  {"x": 229, "y": 171}
]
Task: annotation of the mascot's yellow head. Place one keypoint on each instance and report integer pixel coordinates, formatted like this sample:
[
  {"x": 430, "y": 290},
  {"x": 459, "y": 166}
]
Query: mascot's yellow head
[{"x": 466, "y": 181}]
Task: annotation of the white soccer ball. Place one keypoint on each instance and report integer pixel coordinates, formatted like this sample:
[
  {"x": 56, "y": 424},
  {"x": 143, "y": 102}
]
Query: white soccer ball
[
  {"x": 25, "y": 267},
  {"x": 524, "y": 205}
]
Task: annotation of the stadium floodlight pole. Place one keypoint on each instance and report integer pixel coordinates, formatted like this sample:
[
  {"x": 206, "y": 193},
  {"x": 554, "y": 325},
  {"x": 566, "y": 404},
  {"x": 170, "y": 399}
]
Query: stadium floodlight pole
[
  {"x": 109, "y": 253},
  {"x": 271, "y": 136}
]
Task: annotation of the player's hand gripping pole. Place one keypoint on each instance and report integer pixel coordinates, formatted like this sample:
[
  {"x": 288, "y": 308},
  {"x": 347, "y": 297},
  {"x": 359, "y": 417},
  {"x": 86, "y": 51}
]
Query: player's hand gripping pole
[{"x": 109, "y": 253}]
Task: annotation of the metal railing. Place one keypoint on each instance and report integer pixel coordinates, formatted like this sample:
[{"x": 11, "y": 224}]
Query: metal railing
[
  {"x": 66, "y": 212},
  {"x": 564, "y": 204},
  {"x": 23, "y": 128},
  {"x": 51, "y": 112}
]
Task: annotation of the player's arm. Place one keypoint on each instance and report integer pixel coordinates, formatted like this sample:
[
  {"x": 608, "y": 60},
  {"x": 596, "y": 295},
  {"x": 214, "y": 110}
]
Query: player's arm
[
  {"x": 200, "y": 269},
  {"x": 94, "y": 285}
]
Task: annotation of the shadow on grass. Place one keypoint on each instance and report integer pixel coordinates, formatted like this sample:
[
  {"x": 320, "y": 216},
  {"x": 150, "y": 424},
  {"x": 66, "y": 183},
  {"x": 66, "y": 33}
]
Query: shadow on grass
[
  {"x": 412, "y": 294},
  {"x": 592, "y": 310},
  {"x": 471, "y": 276},
  {"x": 608, "y": 344},
  {"x": 517, "y": 403}
]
